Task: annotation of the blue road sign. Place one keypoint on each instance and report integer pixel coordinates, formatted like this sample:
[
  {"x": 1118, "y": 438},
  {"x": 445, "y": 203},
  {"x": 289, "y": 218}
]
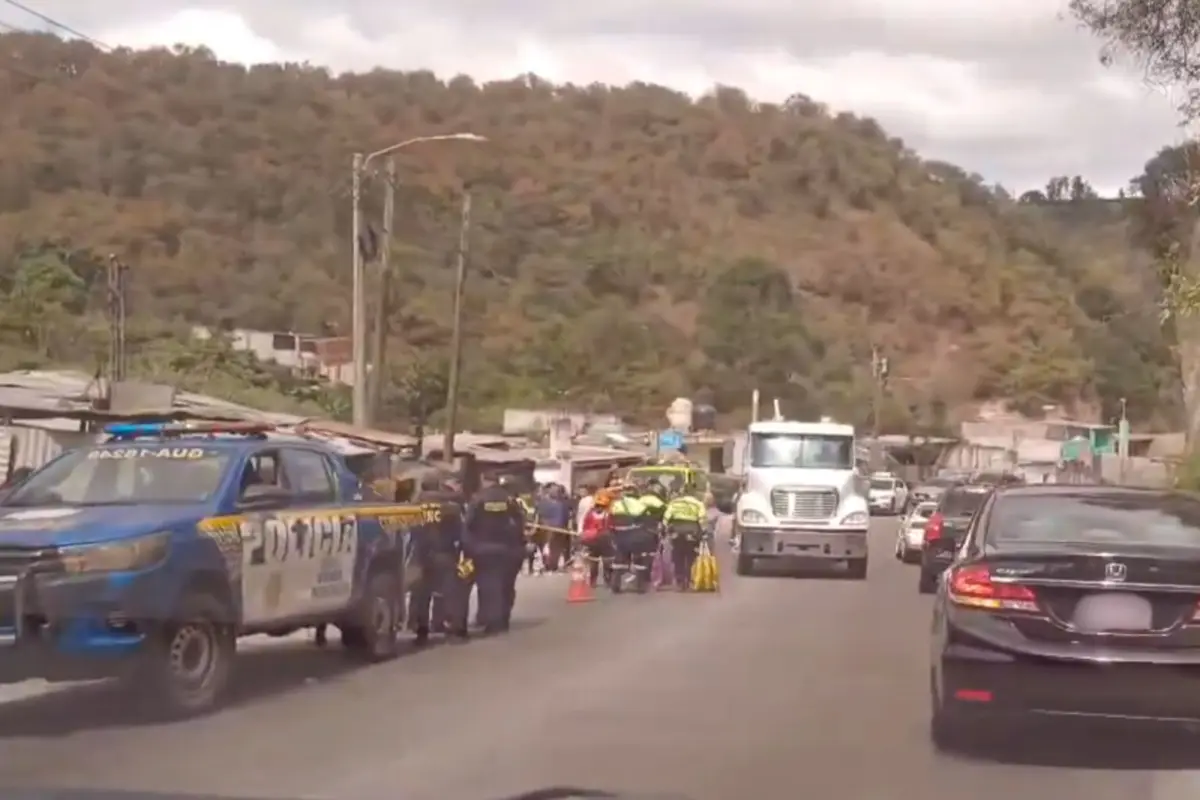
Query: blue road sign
[{"x": 670, "y": 440}]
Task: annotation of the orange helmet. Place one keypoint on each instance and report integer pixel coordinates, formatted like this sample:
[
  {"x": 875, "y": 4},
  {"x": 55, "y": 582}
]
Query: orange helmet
[{"x": 603, "y": 499}]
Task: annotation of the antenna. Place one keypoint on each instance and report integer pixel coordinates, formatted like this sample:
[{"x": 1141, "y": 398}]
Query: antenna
[
  {"x": 778, "y": 412},
  {"x": 754, "y": 406}
]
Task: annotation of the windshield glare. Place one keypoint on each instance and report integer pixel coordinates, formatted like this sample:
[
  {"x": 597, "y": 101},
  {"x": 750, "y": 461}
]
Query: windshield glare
[
  {"x": 1102, "y": 519},
  {"x": 124, "y": 475},
  {"x": 801, "y": 451}
]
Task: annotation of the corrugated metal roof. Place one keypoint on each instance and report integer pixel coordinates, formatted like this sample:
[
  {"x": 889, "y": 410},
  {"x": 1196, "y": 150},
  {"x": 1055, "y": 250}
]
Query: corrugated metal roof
[
  {"x": 355, "y": 433},
  {"x": 68, "y": 393}
]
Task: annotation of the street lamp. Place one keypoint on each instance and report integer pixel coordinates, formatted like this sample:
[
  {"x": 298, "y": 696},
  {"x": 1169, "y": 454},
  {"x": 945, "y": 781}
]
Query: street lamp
[{"x": 358, "y": 332}]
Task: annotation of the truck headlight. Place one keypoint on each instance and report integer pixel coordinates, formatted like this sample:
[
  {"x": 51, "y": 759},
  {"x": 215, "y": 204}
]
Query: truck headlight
[
  {"x": 123, "y": 556},
  {"x": 855, "y": 518},
  {"x": 752, "y": 517}
]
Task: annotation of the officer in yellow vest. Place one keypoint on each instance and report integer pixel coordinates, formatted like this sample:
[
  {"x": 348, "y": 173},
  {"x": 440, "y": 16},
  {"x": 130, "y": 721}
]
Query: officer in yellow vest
[
  {"x": 684, "y": 523},
  {"x": 633, "y": 540},
  {"x": 654, "y": 499}
]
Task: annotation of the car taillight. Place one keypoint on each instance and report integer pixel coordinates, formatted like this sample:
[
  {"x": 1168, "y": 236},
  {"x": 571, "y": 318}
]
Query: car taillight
[
  {"x": 933, "y": 527},
  {"x": 972, "y": 586}
]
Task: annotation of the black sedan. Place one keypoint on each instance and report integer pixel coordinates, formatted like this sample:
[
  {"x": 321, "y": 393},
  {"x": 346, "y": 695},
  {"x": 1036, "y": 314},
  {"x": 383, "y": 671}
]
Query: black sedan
[
  {"x": 1069, "y": 602},
  {"x": 945, "y": 529}
]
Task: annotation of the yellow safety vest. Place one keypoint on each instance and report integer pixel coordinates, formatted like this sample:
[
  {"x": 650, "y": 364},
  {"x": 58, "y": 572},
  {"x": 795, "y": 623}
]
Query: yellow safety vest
[{"x": 684, "y": 509}]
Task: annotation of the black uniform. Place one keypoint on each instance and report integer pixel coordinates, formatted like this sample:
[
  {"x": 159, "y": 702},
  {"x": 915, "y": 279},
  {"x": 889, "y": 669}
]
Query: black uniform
[
  {"x": 439, "y": 598},
  {"x": 494, "y": 538}
]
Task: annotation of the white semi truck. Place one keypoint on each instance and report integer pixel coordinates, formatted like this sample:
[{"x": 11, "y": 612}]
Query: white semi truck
[{"x": 804, "y": 497}]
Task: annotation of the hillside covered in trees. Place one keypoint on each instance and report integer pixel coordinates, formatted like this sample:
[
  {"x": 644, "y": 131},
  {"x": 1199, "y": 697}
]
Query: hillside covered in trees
[{"x": 628, "y": 245}]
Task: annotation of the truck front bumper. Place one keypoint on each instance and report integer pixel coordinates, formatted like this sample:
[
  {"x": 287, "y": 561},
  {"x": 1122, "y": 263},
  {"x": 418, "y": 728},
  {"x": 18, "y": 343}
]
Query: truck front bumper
[
  {"x": 61, "y": 628},
  {"x": 831, "y": 544}
]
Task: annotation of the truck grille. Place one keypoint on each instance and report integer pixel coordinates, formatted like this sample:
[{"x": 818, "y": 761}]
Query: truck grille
[
  {"x": 14, "y": 562},
  {"x": 805, "y": 504}
]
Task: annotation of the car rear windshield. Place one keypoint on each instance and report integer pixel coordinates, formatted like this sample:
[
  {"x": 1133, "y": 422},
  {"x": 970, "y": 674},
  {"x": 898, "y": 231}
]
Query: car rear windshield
[
  {"x": 882, "y": 483},
  {"x": 1109, "y": 518},
  {"x": 963, "y": 502}
]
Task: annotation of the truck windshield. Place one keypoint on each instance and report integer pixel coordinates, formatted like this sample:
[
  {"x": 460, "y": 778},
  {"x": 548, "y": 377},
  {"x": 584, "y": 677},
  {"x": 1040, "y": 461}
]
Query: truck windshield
[
  {"x": 124, "y": 476},
  {"x": 803, "y": 451}
]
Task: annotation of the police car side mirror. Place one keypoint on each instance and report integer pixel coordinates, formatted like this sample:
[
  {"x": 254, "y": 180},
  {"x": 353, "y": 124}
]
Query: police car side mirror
[{"x": 263, "y": 497}]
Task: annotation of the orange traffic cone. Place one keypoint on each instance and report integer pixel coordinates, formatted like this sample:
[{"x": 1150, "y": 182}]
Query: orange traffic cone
[{"x": 580, "y": 589}]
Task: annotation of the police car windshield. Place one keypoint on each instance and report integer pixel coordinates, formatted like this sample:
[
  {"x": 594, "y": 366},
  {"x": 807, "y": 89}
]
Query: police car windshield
[
  {"x": 801, "y": 451},
  {"x": 134, "y": 475}
]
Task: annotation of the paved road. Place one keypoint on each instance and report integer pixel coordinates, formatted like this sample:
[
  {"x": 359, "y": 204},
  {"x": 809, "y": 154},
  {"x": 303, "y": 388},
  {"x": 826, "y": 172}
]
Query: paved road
[{"x": 777, "y": 688}]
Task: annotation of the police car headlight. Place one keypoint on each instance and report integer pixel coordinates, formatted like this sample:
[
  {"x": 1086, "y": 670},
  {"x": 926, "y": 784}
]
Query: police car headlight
[
  {"x": 124, "y": 556},
  {"x": 855, "y": 518},
  {"x": 752, "y": 517}
]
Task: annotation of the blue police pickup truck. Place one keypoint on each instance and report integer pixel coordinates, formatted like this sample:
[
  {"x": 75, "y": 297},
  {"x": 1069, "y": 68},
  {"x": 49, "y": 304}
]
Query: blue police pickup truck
[{"x": 145, "y": 557}]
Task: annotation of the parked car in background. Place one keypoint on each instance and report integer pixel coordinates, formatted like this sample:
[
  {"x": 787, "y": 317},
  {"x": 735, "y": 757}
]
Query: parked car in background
[
  {"x": 887, "y": 494},
  {"x": 931, "y": 489},
  {"x": 997, "y": 478},
  {"x": 910, "y": 538}
]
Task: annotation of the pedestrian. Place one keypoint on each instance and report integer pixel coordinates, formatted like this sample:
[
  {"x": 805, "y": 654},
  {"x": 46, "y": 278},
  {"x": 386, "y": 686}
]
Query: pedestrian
[
  {"x": 595, "y": 535},
  {"x": 493, "y": 538},
  {"x": 533, "y": 535},
  {"x": 554, "y": 512}
]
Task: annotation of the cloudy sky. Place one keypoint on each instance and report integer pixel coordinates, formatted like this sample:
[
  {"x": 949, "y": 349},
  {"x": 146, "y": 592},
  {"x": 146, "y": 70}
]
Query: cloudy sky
[{"x": 1011, "y": 90}]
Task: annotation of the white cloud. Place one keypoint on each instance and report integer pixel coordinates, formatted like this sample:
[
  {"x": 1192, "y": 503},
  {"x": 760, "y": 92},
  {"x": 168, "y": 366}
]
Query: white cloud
[{"x": 1012, "y": 90}]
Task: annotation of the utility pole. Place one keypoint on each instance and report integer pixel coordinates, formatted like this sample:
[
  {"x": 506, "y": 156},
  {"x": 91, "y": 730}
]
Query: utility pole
[
  {"x": 460, "y": 279},
  {"x": 382, "y": 302},
  {"x": 358, "y": 333},
  {"x": 358, "y": 323},
  {"x": 116, "y": 295},
  {"x": 879, "y": 372}
]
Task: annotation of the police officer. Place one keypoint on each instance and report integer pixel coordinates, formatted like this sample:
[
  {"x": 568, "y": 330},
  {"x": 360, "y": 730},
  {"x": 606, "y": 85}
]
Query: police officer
[
  {"x": 493, "y": 538},
  {"x": 633, "y": 542},
  {"x": 439, "y": 597},
  {"x": 684, "y": 522}
]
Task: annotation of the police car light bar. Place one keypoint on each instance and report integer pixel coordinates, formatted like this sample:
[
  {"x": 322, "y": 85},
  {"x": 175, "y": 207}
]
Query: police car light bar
[{"x": 133, "y": 430}]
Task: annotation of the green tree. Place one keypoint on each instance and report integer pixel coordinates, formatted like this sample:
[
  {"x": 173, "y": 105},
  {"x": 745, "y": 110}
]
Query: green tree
[
  {"x": 1164, "y": 38},
  {"x": 753, "y": 335}
]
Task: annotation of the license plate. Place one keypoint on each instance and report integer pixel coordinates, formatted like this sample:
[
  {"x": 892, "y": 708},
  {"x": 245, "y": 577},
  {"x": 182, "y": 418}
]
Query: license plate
[{"x": 1113, "y": 612}]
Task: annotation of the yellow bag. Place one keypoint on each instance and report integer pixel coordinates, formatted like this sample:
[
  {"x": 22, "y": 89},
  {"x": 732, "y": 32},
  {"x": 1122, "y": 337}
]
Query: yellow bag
[
  {"x": 466, "y": 567},
  {"x": 705, "y": 573}
]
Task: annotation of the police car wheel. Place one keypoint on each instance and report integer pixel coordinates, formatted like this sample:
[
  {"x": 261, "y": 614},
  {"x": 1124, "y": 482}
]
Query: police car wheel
[
  {"x": 856, "y": 569},
  {"x": 373, "y": 633},
  {"x": 189, "y": 663},
  {"x": 745, "y": 565}
]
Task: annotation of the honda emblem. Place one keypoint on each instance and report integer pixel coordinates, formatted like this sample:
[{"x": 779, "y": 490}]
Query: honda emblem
[{"x": 1115, "y": 572}]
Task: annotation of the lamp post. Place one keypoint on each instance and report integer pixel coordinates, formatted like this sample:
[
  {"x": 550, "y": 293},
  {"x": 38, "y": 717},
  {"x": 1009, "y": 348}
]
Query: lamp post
[{"x": 358, "y": 333}]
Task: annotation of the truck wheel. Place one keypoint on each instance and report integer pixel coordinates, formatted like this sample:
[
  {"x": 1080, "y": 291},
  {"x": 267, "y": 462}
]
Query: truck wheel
[
  {"x": 856, "y": 569},
  {"x": 372, "y": 632},
  {"x": 188, "y": 662},
  {"x": 745, "y": 565}
]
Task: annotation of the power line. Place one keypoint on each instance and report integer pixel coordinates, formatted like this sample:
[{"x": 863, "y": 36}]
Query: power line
[{"x": 62, "y": 26}]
